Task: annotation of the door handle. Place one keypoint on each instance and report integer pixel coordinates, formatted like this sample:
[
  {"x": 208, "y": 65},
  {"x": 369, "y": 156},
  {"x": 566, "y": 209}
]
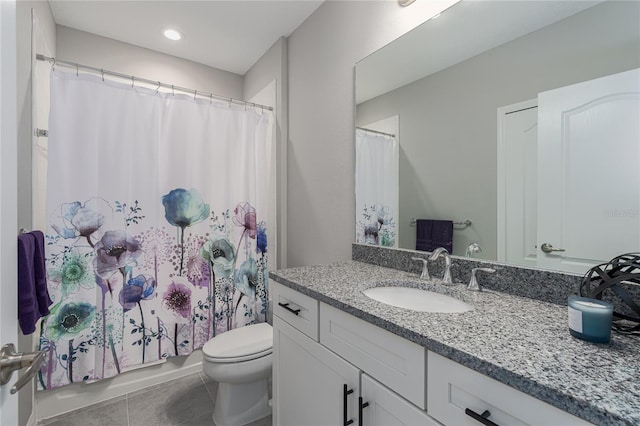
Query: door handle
[
  {"x": 11, "y": 361},
  {"x": 548, "y": 248}
]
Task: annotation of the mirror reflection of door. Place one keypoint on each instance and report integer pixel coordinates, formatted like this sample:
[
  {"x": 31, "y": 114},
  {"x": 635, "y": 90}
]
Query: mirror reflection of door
[
  {"x": 577, "y": 181},
  {"x": 588, "y": 172},
  {"x": 377, "y": 174},
  {"x": 517, "y": 183}
]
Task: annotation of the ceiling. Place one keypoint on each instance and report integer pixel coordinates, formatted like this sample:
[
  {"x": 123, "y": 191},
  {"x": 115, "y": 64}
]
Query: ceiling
[
  {"x": 466, "y": 29},
  {"x": 229, "y": 35}
]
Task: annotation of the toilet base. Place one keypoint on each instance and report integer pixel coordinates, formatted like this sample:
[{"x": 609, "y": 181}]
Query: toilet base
[{"x": 238, "y": 404}]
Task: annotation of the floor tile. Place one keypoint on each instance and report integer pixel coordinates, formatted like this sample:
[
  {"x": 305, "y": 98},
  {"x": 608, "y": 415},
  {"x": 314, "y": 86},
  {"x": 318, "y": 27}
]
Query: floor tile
[
  {"x": 180, "y": 402},
  {"x": 212, "y": 385},
  {"x": 267, "y": 421},
  {"x": 113, "y": 414}
]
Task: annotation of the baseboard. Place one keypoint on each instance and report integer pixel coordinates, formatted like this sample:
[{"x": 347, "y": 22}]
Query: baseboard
[{"x": 64, "y": 400}]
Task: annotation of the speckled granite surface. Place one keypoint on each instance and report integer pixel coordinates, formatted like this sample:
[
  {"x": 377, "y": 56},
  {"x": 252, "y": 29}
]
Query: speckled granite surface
[{"x": 522, "y": 342}]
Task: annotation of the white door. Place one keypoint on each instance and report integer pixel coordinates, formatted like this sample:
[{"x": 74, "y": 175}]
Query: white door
[
  {"x": 517, "y": 183},
  {"x": 589, "y": 172},
  {"x": 8, "y": 198},
  {"x": 385, "y": 407},
  {"x": 309, "y": 380}
]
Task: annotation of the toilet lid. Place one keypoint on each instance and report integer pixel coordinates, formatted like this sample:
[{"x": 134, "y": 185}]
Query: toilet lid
[{"x": 251, "y": 341}]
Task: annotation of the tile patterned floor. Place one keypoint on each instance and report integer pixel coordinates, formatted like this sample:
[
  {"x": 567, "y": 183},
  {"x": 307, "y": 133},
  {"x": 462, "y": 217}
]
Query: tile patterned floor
[{"x": 184, "y": 402}]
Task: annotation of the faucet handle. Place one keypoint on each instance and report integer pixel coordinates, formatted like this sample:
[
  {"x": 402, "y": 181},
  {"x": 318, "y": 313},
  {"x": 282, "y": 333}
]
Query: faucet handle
[
  {"x": 425, "y": 268},
  {"x": 474, "y": 285}
]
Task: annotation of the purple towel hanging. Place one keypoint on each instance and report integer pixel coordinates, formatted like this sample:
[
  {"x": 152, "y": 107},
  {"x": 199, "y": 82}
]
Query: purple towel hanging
[{"x": 431, "y": 234}]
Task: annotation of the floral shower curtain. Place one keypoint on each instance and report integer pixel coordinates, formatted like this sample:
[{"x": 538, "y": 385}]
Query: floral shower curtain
[
  {"x": 376, "y": 188},
  {"x": 156, "y": 235}
]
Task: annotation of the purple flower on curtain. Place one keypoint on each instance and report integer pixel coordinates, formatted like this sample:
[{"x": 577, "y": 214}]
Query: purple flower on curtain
[
  {"x": 177, "y": 298},
  {"x": 371, "y": 233},
  {"x": 261, "y": 239},
  {"x": 115, "y": 251},
  {"x": 382, "y": 215},
  {"x": 67, "y": 320},
  {"x": 142, "y": 287},
  {"x": 80, "y": 220},
  {"x": 245, "y": 216},
  {"x": 221, "y": 255},
  {"x": 184, "y": 208},
  {"x": 246, "y": 278}
]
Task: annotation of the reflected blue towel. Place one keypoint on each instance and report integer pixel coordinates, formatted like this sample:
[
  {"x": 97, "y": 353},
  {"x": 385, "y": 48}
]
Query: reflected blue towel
[
  {"x": 33, "y": 296},
  {"x": 431, "y": 234}
]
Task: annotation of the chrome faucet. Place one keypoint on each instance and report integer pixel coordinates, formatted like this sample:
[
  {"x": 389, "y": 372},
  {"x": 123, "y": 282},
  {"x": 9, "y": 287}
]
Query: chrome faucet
[
  {"x": 442, "y": 252},
  {"x": 474, "y": 285},
  {"x": 472, "y": 249},
  {"x": 425, "y": 268}
]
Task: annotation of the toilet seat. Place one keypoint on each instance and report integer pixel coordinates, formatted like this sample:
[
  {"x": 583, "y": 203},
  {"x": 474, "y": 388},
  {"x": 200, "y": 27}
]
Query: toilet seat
[{"x": 240, "y": 344}]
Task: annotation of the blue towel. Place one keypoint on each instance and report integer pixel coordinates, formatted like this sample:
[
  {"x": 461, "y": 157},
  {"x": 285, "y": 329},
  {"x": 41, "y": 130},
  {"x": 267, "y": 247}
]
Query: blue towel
[
  {"x": 431, "y": 234},
  {"x": 33, "y": 296}
]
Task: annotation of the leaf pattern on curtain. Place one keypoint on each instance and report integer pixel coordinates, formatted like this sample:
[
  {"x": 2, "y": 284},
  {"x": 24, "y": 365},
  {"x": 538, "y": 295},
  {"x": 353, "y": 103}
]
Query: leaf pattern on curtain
[{"x": 135, "y": 281}]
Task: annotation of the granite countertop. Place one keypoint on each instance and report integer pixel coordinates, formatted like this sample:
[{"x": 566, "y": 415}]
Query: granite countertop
[{"x": 524, "y": 343}]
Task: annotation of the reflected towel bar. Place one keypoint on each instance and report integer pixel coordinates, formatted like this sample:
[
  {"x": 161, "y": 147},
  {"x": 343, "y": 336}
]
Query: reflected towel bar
[{"x": 466, "y": 223}]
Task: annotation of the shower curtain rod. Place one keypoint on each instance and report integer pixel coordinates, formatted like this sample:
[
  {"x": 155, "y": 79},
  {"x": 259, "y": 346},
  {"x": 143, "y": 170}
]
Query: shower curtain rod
[
  {"x": 375, "y": 131},
  {"x": 135, "y": 79}
]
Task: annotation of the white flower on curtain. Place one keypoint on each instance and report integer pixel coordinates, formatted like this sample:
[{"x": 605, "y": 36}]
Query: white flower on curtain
[{"x": 154, "y": 238}]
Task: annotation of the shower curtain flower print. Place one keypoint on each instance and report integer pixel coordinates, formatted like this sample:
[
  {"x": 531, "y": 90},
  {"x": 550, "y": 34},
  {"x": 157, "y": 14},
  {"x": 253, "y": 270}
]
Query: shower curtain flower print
[{"x": 127, "y": 293}]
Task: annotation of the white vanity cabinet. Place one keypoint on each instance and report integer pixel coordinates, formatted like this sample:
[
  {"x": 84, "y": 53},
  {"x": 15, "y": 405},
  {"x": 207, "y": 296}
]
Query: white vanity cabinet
[
  {"x": 331, "y": 368},
  {"x": 311, "y": 384},
  {"x": 457, "y": 393}
]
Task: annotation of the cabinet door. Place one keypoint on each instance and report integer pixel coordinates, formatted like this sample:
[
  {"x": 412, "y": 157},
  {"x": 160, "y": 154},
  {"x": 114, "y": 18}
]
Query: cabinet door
[
  {"x": 386, "y": 408},
  {"x": 308, "y": 381}
]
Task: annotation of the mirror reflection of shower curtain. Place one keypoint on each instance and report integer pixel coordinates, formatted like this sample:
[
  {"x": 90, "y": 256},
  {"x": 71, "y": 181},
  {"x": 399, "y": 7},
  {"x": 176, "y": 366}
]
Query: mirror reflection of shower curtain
[{"x": 376, "y": 189}]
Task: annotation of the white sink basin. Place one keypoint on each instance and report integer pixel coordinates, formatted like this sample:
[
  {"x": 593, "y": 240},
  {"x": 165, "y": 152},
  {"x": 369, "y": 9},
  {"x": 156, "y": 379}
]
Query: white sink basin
[{"x": 417, "y": 299}]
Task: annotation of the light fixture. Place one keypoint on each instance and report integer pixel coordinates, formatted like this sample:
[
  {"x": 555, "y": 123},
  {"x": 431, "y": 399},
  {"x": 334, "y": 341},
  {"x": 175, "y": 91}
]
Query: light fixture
[
  {"x": 405, "y": 3},
  {"x": 172, "y": 34}
]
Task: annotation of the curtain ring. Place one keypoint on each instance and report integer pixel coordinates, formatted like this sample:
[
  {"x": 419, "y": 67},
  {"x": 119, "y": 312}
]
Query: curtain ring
[
  {"x": 53, "y": 67},
  {"x": 77, "y": 66},
  {"x": 158, "y": 88},
  {"x": 173, "y": 90},
  {"x": 210, "y": 98},
  {"x": 133, "y": 80},
  {"x": 230, "y": 100},
  {"x": 195, "y": 93},
  {"x": 102, "y": 74}
]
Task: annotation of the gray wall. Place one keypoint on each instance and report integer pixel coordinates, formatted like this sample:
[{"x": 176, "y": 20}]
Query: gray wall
[
  {"x": 320, "y": 158},
  {"x": 101, "y": 52},
  {"x": 448, "y": 167}
]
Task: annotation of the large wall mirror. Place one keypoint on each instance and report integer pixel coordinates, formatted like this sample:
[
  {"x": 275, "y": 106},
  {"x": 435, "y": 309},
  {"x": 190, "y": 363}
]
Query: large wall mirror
[{"x": 465, "y": 97}]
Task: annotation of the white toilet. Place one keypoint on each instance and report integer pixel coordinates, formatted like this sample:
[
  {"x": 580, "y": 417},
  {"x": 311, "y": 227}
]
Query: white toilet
[{"x": 240, "y": 361}]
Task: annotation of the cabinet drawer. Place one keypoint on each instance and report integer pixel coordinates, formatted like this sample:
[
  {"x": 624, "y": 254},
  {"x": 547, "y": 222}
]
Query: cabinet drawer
[
  {"x": 453, "y": 388},
  {"x": 390, "y": 359},
  {"x": 295, "y": 308}
]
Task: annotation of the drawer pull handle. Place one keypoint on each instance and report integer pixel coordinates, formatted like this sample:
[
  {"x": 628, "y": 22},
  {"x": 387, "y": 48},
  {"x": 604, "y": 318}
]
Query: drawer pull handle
[
  {"x": 345, "y": 392},
  {"x": 286, "y": 306},
  {"x": 361, "y": 406},
  {"x": 482, "y": 418}
]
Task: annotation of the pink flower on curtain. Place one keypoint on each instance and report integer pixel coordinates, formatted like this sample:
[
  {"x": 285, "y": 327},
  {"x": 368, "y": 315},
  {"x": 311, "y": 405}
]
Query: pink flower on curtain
[
  {"x": 245, "y": 216},
  {"x": 177, "y": 298},
  {"x": 115, "y": 251}
]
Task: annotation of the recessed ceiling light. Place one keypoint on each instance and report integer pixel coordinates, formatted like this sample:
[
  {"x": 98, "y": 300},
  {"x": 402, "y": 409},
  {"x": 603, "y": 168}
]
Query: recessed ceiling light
[{"x": 172, "y": 34}]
